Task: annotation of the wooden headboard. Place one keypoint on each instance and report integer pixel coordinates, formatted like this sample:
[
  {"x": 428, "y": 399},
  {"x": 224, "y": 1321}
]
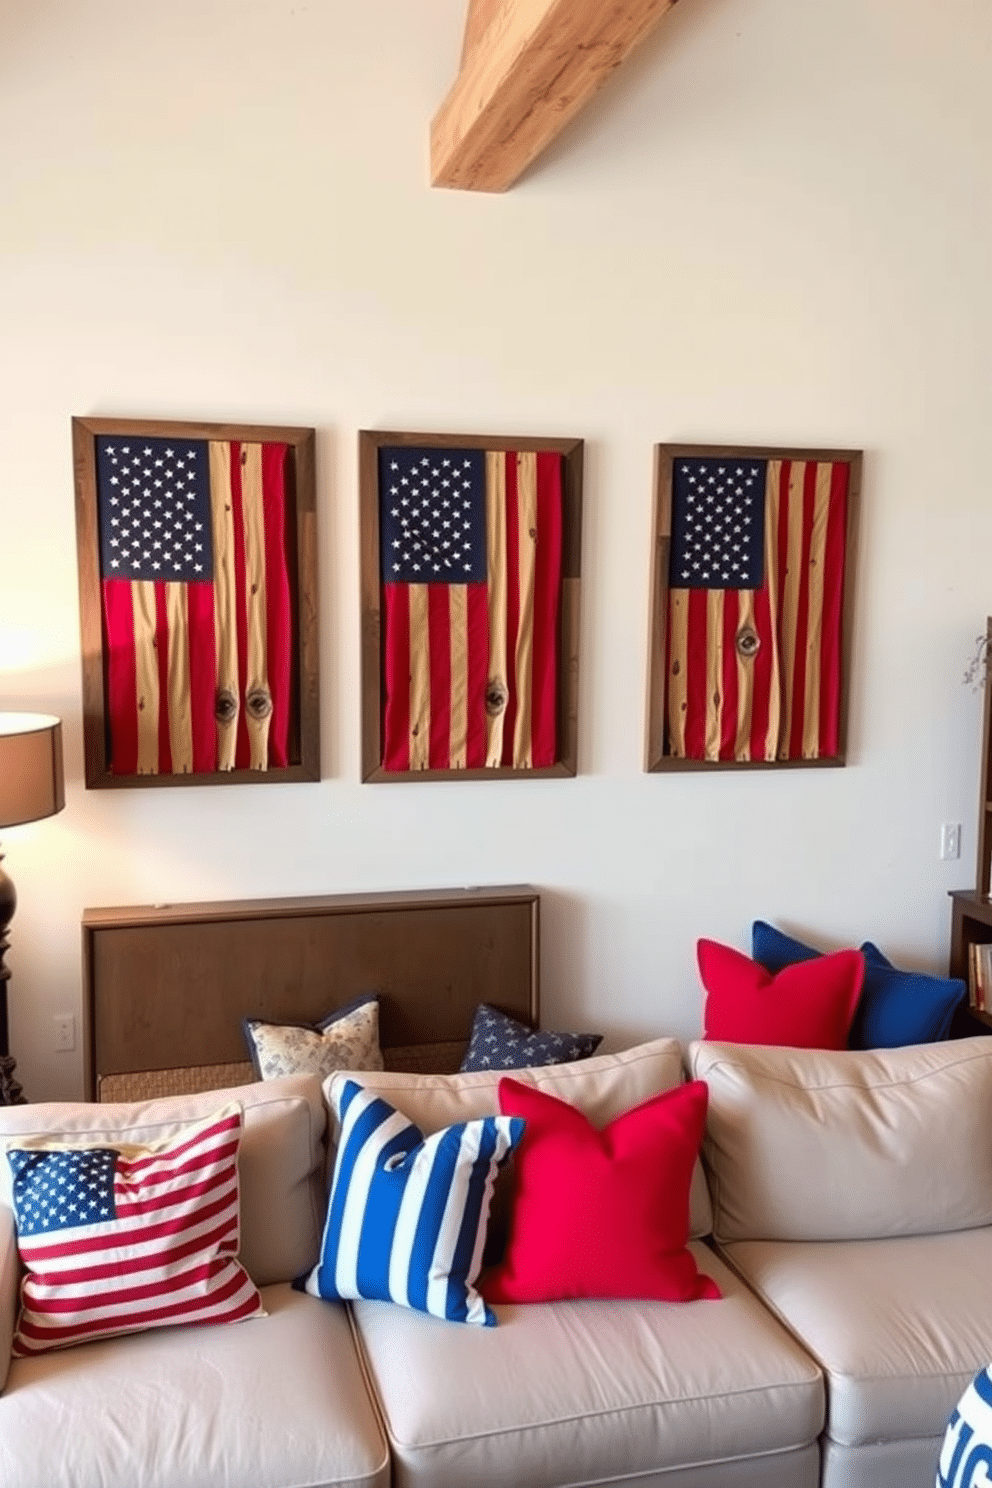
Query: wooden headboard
[{"x": 167, "y": 985}]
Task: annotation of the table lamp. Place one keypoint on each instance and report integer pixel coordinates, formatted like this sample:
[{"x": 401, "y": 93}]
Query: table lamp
[{"x": 31, "y": 787}]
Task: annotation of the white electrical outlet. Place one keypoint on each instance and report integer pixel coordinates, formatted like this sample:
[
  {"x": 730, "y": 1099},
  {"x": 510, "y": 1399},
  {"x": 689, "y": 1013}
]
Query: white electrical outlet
[
  {"x": 950, "y": 841},
  {"x": 64, "y": 1032}
]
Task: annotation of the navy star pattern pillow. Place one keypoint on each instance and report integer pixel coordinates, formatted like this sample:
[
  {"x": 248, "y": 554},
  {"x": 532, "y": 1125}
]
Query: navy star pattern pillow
[{"x": 498, "y": 1042}]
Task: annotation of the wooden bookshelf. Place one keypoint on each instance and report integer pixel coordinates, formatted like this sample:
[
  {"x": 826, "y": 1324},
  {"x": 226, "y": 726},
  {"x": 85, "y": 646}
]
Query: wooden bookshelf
[
  {"x": 971, "y": 920},
  {"x": 985, "y": 779},
  {"x": 971, "y": 909}
]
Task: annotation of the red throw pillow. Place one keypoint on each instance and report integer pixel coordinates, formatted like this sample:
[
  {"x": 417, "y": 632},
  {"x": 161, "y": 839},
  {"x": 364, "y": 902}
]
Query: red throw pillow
[
  {"x": 809, "y": 1005},
  {"x": 601, "y": 1213}
]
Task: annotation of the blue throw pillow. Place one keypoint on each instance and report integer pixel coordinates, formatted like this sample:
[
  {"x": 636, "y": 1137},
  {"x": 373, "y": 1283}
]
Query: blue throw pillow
[
  {"x": 498, "y": 1042},
  {"x": 896, "y": 1007},
  {"x": 966, "y": 1451},
  {"x": 407, "y": 1214}
]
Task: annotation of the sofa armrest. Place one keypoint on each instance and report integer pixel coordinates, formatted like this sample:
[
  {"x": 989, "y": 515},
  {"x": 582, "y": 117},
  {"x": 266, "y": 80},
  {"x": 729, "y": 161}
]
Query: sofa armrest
[{"x": 10, "y": 1272}]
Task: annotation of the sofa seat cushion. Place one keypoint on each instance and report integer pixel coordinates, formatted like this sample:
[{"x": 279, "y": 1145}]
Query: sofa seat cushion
[
  {"x": 280, "y": 1402},
  {"x": 899, "y": 1326},
  {"x": 588, "y": 1391}
]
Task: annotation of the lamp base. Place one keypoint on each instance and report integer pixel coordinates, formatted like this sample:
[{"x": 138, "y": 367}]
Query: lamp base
[{"x": 11, "y": 1093}]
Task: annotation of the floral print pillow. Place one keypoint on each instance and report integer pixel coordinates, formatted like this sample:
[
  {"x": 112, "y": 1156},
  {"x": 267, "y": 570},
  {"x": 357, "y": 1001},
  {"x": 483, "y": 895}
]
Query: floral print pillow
[{"x": 347, "y": 1039}]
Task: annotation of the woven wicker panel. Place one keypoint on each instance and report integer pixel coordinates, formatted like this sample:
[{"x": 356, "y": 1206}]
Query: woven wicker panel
[
  {"x": 150, "y": 1084},
  {"x": 421, "y": 1059}
]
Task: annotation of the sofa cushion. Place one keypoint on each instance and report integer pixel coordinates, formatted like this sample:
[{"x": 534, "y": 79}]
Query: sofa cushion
[
  {"x": 10, "y": 1277},
  {"x": 280, "y": 1402},
  {"x": 117, "y": 1239},
  {"x": 601, "y": 1213},
  {"x": 347, "y": 1039},
  {"x": 808, "y": 1005},
  {"x": 281, "y": 1162},
  {"x": 595, "y": 1392},
  {"x": 407, "y": 1214},
  {"x": 499, "y": 1043},
  {"x": 602, "y": 1087},
  {"x": 898, "y": 1326},
  {"x": 896, "y": 1007},
  {"x": 850, "y": 1144}
]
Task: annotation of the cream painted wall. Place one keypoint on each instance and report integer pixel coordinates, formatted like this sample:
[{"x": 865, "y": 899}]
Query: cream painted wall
[{"x": 773, "y": 226}]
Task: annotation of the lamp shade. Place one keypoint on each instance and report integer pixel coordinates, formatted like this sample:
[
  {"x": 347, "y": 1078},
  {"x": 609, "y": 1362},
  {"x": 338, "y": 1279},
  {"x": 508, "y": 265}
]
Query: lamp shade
[{"x": 31, "y": 782}]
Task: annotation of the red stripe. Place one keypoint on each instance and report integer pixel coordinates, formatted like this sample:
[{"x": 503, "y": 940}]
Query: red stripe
[
  {"x": 728, "y": 683},
  {"x": 396, "y": 678},
  {"x": 184, "y": 1309},
  {"x": 279, "y": 627},
  {"x": 547, "y": 595},
  {"x": 512, "y": 603},
  {"x": 242, "y": 749},
  {"x": 202, "y": 1140},
  {"x": 670, "y": 739},
  {"x": 695, "y": 681},
  {"x": 797, "y": 721},
  {"x": 65, "y": 1336},
  {"x": 223, "y": 1238},
  {"x": 122, "y": 681},
  {"x": 162, "y": 663},
  {"x": 198, "y": 1275},
  {"x": 181, "y": 1177},
  {"x": 439, "y": 655},
  {"x": 202, "y": 674},
  {"x": 477, "y": 622},
  {"x": 131, "y": 1207},
  {"x": 831, "y": 654},
  {"x": 120, "y": 1232}
]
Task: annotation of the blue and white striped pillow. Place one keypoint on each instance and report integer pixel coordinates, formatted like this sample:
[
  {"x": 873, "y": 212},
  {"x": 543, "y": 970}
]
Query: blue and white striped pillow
[
  {"x": 407, "y": 1214},
  {"x": 966, "y": 1452}
]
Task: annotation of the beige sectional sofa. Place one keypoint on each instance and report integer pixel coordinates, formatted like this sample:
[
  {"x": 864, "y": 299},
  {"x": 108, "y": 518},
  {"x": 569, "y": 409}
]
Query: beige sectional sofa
[
  {"x": 853, "y": 1193},
  {"x": 849, "y": 1230}
]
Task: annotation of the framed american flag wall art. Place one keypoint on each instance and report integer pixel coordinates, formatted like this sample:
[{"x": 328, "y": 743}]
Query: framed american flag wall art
[
  {"x": 198, "y": 602},
  {"x": 470, "y": 571},
  {"x": 751, "y": 606}
]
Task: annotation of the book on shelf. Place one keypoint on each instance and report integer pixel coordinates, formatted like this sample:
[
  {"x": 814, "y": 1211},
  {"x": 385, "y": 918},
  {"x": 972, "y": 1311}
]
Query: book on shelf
[{"x": 980, "y": 976}]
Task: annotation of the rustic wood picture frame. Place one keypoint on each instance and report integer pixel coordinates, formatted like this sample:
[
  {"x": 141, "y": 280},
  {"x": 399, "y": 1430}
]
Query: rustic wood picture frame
[
  {"x": 378, "y": 764},
  {"x": 729, "y": 697},
  {"x": 292, "y": 705}
]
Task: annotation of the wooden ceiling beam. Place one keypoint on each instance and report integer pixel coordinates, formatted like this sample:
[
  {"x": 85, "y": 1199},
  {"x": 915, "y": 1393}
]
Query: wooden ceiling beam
[
  {"x": 477, "y": 18},
  {"x": 528, "y": 66}
]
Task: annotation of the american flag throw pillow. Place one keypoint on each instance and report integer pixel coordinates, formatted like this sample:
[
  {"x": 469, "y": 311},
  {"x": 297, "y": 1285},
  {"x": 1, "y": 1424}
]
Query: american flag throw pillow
[{"x": 120, "y": 1238}]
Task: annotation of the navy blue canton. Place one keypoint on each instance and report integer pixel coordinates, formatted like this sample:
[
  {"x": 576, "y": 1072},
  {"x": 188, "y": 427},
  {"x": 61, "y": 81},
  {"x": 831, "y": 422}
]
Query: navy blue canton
[
  {"x": 153, "y": 498},
  {"x": 718, "y": 523},
  {"x": 68, "y": 1189},
  {"x": 432, "y": 515}
]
